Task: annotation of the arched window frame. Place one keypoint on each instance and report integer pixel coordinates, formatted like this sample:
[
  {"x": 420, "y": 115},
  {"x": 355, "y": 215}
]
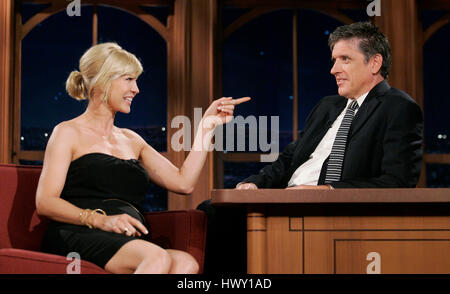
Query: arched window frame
[{"x": 55, "y": 7}]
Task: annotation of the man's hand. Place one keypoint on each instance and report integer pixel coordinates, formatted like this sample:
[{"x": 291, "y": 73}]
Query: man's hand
[
  {"x": 246, "y": 186},
  {"x": 307, "y": 187}
]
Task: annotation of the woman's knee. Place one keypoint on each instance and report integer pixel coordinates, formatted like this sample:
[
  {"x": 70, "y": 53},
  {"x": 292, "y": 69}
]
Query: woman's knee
[
  {"x": 140, "y": 257},
  {"x": 183, "y": 263},
  {"x": 192, "y": 266},
  {"x": 160, "y": 258}
]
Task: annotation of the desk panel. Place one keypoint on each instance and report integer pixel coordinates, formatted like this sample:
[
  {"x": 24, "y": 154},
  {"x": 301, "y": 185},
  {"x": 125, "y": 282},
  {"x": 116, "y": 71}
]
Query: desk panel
[
  {"x": 407, "y": 256},
  {"x": 396, "y": 252},
  {"x": 344, "y": 230}
]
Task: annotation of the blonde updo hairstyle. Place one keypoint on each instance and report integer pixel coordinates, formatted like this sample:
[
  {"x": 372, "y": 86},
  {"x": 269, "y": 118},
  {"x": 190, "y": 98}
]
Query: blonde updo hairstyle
[{"x": 100, "y": 65}]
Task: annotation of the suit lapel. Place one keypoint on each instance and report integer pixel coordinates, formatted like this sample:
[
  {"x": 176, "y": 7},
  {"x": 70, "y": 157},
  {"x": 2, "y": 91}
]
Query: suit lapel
[
  {"x": 370, "y": 104},
  {"x": 337, "y": 109}
]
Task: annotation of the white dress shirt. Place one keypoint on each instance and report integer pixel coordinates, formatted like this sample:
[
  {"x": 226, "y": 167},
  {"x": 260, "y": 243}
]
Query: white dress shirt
[{"x": 309, "y": 172}]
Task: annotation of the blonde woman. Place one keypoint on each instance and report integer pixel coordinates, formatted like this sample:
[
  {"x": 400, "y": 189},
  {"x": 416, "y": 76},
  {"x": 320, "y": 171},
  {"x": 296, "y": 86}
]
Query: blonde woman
[{"x": 95, "y": 174}]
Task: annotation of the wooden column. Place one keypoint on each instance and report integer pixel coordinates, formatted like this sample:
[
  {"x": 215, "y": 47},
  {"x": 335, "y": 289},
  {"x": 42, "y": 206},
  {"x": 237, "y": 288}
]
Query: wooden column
[
  {"x": 191, "y": 80},
  {"x": 400, "y": 22},
  {"x": 177, "y": 83},
  {"x": 204, "y": 16},
  {"x": 6, "y": 78}
]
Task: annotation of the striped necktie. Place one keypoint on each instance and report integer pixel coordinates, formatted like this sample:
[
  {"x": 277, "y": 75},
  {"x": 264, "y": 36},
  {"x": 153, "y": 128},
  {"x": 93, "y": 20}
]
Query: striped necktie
[{"x": 334, "y": 168}]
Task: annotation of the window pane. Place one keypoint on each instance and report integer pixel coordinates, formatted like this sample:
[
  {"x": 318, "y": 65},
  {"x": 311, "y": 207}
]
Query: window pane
[
  {"x": 30, "y": 162},
  {"x": 31, "y": 9},
  {"x": 436, "y": 64},
  {"x": 148, "y": 115},
  {"x": 315, "y": 80},
  {"x": 438, "y": 175},
  {"x": 231, "y": 14},
  {"x": 155, "y": 199},
  {"x": 257, "y": 62},
  {"x": 160, "y": 12},
  {"x": 49, "y": 53},
  {"x": 235, "y": 172}
]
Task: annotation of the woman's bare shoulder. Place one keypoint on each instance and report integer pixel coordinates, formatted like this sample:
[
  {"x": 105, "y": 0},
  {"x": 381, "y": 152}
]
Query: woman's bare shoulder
[
  {"x": 68, "y": 127},
  {"x": 130, "y": 134},
  {"x": 66, "y": 132},
  {"x": 62, "y": 141},
  {"x": 137, "y": 142}
]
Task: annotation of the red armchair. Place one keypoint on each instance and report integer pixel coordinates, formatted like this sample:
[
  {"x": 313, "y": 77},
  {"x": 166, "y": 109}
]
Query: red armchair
[{"x": 22, "y": 230}]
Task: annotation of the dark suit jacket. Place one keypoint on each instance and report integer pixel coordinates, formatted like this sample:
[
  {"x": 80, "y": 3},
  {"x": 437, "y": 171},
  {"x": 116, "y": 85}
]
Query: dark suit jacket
[{"x": 384, "y": 145}]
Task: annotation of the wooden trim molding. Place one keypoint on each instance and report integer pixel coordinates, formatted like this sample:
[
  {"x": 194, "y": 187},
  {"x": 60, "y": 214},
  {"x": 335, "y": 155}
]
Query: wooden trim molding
[
  {"x": 6, "y": 78},
  {"x": 41, "y": 16},
  {"x": 436, "y": 158},
  {"x": 435, "y": 27},
  {"x": 95, "y": 26},
  {"x": 16, "y": 101},
  {"x": 58, "y": 6},
  {"x": 308, "y": 4},
  {"x": 259, "y": 11},
  {"x": 241, "y": 157},
  {"x": 336, "y": 14},
  {"x": 245, "y": 18}
]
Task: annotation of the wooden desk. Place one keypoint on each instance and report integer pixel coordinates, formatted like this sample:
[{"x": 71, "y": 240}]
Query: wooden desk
[{"x": 349, "y": 231}]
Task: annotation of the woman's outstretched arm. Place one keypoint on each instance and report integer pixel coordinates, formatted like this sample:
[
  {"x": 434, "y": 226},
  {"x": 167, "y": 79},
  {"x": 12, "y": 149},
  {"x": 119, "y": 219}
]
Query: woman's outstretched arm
[{"x": 182, "y": 180}]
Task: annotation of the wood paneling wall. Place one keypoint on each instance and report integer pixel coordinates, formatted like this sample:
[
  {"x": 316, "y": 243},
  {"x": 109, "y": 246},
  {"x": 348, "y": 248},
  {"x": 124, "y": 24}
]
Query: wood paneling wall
[
  {"x": 191, "y": 82},
  {"x": 400, "y": 22},
  {"x": 6, "y": 78}
]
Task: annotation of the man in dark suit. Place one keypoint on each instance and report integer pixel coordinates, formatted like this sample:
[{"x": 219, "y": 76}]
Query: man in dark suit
[
  {"x": 368, "y": 136},
  {"x": 381, "y": 147}
]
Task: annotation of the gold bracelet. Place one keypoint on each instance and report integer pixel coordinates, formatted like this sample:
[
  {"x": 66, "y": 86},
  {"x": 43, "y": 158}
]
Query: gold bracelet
[
  {"x": 84, "y": 215},
  {"x": 91, "y": 213},
  {"x": 98, "y": 210}
]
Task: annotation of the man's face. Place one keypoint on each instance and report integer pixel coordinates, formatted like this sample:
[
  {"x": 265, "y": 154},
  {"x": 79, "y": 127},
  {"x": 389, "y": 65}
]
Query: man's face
[{"x": 353, "y": 75}]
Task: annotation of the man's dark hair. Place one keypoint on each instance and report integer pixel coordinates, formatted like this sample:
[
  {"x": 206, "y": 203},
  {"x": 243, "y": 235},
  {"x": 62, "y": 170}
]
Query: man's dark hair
[{"x": 372, "y": 42}]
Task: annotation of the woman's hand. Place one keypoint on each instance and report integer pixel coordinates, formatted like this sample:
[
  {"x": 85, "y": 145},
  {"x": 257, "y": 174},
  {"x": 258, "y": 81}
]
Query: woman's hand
[
  {"x": 221, "y": 111},
  {"x": 120, "y": 224}
]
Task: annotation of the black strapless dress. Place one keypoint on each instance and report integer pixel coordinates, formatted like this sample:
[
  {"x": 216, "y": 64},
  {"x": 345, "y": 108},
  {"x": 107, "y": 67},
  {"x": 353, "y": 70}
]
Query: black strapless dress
[{"x": 98, "y": 180}]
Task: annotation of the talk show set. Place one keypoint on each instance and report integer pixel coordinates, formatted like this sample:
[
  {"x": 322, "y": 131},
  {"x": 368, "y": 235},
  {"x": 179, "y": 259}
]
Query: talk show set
[{"x": 233, "y": 143}]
